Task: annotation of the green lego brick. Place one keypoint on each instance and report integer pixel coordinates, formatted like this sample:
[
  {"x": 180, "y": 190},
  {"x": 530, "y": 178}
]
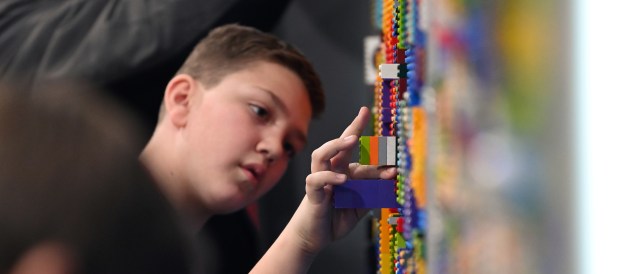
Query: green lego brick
[{"x": 364, "y": 150}]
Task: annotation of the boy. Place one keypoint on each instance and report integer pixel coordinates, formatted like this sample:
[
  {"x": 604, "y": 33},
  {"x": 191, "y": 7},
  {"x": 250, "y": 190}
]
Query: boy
[{"x": 231, "y": 119}]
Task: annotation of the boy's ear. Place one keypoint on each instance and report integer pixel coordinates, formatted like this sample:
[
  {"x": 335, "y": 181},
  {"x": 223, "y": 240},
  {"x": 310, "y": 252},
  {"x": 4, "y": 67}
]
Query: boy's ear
[{"x": 177, "y": 97}]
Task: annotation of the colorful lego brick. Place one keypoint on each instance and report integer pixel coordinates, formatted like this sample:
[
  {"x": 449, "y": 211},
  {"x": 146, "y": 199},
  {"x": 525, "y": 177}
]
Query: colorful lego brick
[
  {"x": 364, "y": 150},
  {"x": 377, "y": 150},
  {"x": 417, "y": 175},
  {"x": 374, "y": 150},
  {"x": 365, "y": 194},
  {"x": 385, "y": 262},
  {"x": 382, "y": 150},
  {"x": 388, "y": 71},
  {"x": 393, "y": 71},
  {"x": 387, "y": 150},
  {"x": 390, "y": 150}
]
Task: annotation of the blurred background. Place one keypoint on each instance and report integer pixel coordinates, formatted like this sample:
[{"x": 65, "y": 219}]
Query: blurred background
[
  {"x": 500, "y": 174},
  {"x": 521, "y": 96}
]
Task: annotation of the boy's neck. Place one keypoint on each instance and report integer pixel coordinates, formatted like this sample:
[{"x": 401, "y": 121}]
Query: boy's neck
[{"x": 159, "y": 159}]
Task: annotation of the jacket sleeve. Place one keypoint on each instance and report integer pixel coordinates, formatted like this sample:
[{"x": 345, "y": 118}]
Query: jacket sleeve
[{"x": 101, "y": 40}]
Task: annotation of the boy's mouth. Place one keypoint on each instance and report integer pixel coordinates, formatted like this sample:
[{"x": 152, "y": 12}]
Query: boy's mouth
[{"x": 254, "y": 173}]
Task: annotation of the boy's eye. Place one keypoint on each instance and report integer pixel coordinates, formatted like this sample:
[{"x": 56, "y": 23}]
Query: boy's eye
[
  {"x": 259, "y": 111},
  {"x": 290, "y": 150}
]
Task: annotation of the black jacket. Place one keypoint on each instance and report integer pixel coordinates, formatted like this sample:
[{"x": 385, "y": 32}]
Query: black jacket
[{"x": 130, "y": 47}]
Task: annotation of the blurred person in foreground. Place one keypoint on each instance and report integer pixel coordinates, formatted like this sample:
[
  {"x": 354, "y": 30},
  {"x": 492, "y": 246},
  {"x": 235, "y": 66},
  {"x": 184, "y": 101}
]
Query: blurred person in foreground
[{"x": 73, "y": 196}]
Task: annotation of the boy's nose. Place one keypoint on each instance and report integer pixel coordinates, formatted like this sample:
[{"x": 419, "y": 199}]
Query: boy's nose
[{"x": 272, "y": 148}]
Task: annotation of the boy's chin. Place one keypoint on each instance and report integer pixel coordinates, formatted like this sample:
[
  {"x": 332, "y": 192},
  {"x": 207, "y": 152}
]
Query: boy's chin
[{"x": 233, "y": 205}]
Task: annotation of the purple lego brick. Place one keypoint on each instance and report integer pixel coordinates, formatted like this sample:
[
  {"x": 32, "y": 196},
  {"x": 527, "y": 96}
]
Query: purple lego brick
[{"x": 366, "y": 194}]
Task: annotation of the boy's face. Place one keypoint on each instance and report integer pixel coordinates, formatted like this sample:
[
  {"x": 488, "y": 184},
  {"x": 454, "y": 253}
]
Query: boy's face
[{"x": 241, "y": 134}]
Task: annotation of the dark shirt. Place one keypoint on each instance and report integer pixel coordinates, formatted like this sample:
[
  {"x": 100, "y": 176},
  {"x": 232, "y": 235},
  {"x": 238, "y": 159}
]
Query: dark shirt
[{"x": 236, "y": 240}]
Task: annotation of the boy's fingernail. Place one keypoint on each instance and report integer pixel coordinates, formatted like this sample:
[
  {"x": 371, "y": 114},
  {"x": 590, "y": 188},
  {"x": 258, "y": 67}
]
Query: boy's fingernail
[
  {"x": 341, "y": 176},
  {"x": 390, "y": 169}
]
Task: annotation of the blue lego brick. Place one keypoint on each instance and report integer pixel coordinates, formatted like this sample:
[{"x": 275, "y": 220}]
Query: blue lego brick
[{"x": 366, "y": 194}]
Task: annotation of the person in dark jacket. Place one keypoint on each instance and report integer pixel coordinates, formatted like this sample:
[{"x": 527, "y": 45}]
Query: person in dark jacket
[{"x": 74, "y": 198}]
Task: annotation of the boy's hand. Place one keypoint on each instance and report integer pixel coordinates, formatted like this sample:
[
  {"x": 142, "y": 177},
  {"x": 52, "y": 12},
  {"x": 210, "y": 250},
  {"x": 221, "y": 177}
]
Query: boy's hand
[{"x": 330, "y": 166}]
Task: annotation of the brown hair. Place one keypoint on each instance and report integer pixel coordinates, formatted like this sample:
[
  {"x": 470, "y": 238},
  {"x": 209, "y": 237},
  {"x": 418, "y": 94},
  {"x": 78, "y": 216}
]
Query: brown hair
[{"x": 232, "y": 47}]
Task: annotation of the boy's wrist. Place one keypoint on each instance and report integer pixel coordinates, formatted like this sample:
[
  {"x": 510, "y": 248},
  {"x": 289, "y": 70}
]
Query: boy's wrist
[{"x": 302, "y": 230}]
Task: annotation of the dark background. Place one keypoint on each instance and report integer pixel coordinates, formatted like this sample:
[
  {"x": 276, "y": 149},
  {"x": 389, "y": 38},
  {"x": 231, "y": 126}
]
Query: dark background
[{"x": 331, "y": 35}]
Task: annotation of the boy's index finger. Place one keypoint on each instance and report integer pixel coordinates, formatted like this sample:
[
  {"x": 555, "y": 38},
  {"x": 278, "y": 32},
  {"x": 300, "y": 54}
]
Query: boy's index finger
[
  {"x": 340, "y": 162},
  {"x": 357, "y": 126},
  {"x": 322, "y": 156}
]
